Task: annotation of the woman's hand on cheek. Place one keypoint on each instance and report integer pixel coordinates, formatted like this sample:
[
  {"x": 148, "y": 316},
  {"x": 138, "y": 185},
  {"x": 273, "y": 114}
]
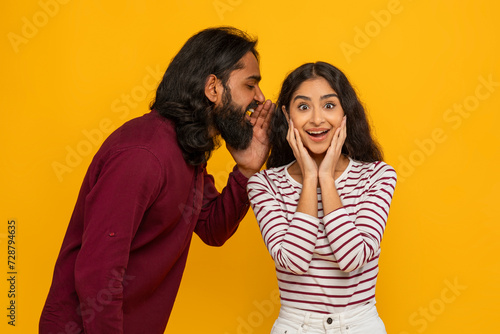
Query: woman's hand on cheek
[
  {"x": 332, "y": 157},
  {"x": 307, "y": 164}
]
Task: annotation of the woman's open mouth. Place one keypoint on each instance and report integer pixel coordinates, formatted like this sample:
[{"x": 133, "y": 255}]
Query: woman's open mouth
[{"x": 317, "y": 135}]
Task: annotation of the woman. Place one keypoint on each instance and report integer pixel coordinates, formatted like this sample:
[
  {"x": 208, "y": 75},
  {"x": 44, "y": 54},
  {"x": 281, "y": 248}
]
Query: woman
[{"x": 322, "y": 205}]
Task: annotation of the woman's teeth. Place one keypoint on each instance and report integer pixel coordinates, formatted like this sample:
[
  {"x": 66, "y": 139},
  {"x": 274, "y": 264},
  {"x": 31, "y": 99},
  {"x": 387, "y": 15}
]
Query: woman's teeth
[{"x": 316, "y": 133}]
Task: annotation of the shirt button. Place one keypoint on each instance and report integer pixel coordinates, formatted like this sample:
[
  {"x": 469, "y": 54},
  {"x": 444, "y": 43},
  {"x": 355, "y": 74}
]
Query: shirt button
[{"x": 329, "y": 321}]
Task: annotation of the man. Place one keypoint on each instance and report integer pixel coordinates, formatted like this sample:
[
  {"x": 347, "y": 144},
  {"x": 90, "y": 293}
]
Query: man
[{"x": 147, "y": 191}]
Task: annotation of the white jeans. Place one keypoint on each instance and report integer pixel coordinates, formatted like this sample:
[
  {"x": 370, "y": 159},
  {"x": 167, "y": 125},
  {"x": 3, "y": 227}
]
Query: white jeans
[{"x": 361, "y": 320}]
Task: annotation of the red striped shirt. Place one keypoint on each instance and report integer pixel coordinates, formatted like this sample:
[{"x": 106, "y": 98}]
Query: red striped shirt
[{"x": 325, "y": 264}]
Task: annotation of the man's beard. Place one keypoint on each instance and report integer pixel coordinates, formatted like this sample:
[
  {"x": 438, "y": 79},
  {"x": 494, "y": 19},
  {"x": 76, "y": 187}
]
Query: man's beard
[{"x": 230, "y": 121}]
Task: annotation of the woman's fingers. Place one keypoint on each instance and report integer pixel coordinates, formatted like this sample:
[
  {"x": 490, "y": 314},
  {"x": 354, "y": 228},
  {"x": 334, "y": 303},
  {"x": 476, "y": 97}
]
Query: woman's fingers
[
  {"x": 335, "y": 150},
  {"x": 339, "y": 137},
  {"x": 291, "y": 138},
  {"x": 343, "y": 133},
  {"x": 330, "y": 153},
  {"x": 301, "y": 154}
]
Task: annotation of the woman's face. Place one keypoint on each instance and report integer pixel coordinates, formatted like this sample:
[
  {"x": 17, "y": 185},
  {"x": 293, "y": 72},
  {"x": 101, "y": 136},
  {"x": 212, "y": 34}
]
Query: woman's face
[{"x": 316, "y": 113}]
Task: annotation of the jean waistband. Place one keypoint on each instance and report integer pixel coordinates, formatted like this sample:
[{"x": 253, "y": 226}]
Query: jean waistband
[{"x": 332, "y": 320}]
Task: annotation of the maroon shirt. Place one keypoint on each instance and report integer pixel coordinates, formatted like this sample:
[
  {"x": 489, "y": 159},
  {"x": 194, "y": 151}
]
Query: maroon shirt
[{"x": 122, "y": 259}]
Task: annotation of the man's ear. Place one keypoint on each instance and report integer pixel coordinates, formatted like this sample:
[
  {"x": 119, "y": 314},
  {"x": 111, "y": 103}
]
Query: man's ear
[{"x": 213, "y": 88}]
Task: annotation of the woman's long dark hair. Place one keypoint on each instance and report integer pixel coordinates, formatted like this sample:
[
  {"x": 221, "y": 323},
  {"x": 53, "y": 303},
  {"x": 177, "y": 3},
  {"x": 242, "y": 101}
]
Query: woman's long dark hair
[
  {"x": 180, "y": 96},
  {"x": 359, "y": 144}
]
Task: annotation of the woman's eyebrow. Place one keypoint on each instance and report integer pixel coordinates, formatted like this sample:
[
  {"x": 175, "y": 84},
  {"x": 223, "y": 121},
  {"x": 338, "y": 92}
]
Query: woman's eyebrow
[
  {"x": 301, "y": 97},
  {"x": 309, "y": 99},
  {"x": 328, "y": 96}
]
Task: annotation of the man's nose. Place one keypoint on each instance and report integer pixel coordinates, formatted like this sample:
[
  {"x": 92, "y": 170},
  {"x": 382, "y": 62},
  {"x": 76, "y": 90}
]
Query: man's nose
[{"x": 259, "y": 96}]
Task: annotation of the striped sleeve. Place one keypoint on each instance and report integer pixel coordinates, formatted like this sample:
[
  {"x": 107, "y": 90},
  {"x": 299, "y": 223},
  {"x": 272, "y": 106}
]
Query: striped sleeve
[
  {"x": 290, "y": 242},
  {"x": 355, "y": 237}
]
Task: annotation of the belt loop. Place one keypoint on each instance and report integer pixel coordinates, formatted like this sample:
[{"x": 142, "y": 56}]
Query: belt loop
[
  {"x": 305, "y": 323},
  {"x": 342, "y": 323},
  {"x": 306, "y": 318}
]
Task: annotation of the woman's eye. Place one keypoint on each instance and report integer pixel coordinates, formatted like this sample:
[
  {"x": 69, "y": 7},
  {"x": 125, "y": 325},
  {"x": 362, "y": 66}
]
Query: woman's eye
[
  {"x": 329, "y": 106},
  {"x": 251, "y": 86},
  {"x": 303, "y": 107}
]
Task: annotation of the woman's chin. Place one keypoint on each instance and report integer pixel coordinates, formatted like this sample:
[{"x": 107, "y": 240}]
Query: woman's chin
[{"x": 316, "y": 152}]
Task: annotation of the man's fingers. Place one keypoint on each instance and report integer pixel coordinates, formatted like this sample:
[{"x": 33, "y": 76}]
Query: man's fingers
[
  {"x": 260, "y": 113},
  {"x": 265, "y": 115},
  {"x": 267, "y": 121},
  {"x": 254, "y": 116}
]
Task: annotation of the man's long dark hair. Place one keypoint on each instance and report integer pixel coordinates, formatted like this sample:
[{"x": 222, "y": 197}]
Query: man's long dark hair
[
  {"x": 180, "y": 96},
  {"x": 359, "y": 144}
]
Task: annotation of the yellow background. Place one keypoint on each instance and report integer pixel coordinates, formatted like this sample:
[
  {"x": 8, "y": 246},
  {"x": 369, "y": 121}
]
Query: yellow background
[{"x": 74, "y": 70}]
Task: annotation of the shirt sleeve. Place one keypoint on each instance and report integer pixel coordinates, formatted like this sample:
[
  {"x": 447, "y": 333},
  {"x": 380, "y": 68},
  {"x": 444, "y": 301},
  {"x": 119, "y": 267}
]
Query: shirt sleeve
[
  {"x": 355, "y": 237},
  {"x": 127, "y": 184},
  {"x": 221, "y": 213},
  {"x": 290, "y": 242}
]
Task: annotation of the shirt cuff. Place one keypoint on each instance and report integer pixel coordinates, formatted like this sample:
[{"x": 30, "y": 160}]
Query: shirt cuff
[{"x": 240, "y": 179}]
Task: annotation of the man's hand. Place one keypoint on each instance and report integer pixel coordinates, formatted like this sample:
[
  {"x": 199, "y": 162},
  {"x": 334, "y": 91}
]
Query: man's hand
[{"x": 251, "y": 159}]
